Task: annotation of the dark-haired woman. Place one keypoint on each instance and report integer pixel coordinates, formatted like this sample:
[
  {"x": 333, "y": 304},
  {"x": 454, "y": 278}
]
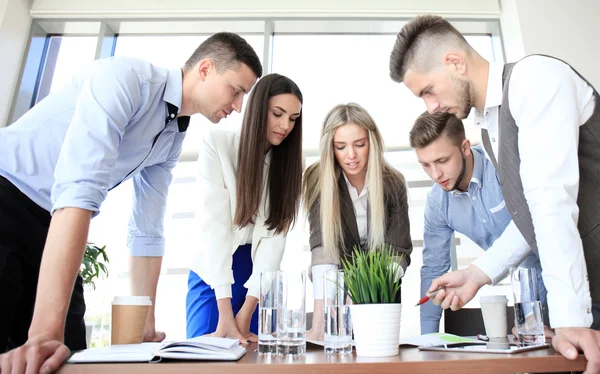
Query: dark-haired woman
[{"x": 250, "y": 195}]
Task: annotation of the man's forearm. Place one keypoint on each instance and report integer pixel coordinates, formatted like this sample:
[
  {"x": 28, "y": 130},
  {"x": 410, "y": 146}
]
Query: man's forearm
[
  {"x": 61, "y": 261},
  {"x": 143, "y": 279}
]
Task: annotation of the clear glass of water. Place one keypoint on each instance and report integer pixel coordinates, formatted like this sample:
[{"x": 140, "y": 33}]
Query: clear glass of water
[
  {"x": 291, "y": 317},
  {"x": 336, "y": 307},
  {"x": 267, "y": 313},
  {"x": 528, "y": 307}
]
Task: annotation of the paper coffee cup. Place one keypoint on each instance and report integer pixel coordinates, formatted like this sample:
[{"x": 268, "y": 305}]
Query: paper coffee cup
[
  {"x": 493, "y": 309},
  {"x": 129, "y": 315}
]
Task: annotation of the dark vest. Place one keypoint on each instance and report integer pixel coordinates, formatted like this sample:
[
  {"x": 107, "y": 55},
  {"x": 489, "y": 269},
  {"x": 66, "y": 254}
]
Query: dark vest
[{"x": 588, "y": 199}]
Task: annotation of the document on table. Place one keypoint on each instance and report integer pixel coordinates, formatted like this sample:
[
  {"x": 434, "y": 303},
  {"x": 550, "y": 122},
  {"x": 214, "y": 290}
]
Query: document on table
[
  {"x": 437, "y": 338},
  {"x": 427, "y": 340}
]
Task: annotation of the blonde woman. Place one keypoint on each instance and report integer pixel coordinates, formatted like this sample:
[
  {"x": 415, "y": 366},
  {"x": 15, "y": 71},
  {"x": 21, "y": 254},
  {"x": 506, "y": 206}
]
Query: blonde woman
[{"x": 353, "y": 198}]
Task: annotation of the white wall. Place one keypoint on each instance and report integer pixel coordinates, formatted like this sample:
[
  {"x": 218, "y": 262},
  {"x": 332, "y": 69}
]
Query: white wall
[
  {"x": 260, "y": 8},
  {"x": 3, "y": 4},
  {"x": 565, "y": 29},
  {"x": 511, "y": 31},
  {"x": 15, "y": 23}
]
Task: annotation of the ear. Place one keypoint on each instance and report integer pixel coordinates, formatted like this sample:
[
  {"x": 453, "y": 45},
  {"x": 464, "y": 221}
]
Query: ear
[
  {"x": 465, "y": 148},
  {"x": 205, "y": 66},
  {"x": 455, "y": 62}
]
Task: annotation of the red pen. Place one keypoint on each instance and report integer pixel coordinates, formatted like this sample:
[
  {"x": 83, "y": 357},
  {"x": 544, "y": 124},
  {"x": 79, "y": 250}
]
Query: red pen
[{"x": 426, "y": 298}]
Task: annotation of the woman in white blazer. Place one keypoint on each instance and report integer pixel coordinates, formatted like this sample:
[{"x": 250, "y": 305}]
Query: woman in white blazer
[{"x": 250, "y": 195}]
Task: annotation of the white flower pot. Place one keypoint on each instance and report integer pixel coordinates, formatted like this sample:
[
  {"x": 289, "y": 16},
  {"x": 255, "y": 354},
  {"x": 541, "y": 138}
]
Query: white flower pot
[{"x": 376, "y": 329}]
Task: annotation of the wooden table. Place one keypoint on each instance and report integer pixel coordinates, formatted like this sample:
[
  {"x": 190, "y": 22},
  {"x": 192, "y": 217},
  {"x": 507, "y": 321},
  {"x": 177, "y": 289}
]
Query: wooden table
[{"x": 410, "y": 360}]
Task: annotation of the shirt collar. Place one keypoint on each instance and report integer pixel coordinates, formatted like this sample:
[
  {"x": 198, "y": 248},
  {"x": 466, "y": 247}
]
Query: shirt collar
[
  {"x": 477, "y": 175},
  {"x": 268, "y": 157},
  {"x": 352, "y": 188},
  {"x": 493, "y": 94},
  {"x": 173, "y": 97}
]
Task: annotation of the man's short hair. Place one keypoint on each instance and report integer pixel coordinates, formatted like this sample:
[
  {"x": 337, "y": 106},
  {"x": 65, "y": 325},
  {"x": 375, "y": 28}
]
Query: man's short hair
[
  {"x": 226, "y": 50},
  {"x": 419, "y": 43},
  {"x": 431, "y": 126}
]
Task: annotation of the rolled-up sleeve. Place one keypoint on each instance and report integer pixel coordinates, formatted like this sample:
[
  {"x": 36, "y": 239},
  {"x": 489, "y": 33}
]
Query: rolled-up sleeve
[
  {"x": 151, "y": 185},
  {"x": 107, "y": 100}
]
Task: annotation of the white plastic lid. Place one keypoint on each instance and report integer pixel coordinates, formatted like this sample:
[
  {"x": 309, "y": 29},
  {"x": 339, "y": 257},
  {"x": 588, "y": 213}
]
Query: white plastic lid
[
  {"x": 132, "y": 300},
  {"x": 493, "y": 299}
]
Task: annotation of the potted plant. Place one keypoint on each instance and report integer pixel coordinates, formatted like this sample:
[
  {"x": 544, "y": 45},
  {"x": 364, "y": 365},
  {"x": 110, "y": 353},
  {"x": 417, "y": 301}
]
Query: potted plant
[
  {"x": 93, "y": 266},
  {"x": 374, "y": 288}
]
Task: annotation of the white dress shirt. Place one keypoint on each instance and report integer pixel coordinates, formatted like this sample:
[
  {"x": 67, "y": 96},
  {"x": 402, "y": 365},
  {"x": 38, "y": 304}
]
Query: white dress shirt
[
  {"x": 548, "y": 102},
  {"x": 361, "y": 204}
]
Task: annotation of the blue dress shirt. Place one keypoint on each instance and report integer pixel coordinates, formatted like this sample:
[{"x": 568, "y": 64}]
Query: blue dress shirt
[
  {"x": 479, "y": 213},
  {"x": 113, "y": 121}
]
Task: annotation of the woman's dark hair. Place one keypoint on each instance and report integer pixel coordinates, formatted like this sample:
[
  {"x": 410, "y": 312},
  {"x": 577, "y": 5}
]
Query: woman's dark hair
[{"x": 285, "y": 172}]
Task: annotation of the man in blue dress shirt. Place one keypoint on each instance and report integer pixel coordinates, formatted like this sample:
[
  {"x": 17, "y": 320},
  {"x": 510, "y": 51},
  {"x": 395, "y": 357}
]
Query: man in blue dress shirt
[
  {"x": 466, "y": 198},
  {"x": 118, "y": 119}
]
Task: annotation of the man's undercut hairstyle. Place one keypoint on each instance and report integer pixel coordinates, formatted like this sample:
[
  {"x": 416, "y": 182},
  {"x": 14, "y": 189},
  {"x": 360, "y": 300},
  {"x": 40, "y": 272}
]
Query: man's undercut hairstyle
[
  {"x": 420, "y": 44},
  {"x": 226, "y": 50},
  {"x": 431, "y": 126}
]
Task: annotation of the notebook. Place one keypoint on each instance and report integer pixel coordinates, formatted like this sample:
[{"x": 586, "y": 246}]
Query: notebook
[{"x": 200, "y": 348}]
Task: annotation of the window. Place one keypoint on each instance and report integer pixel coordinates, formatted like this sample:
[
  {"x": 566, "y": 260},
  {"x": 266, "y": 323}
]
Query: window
[
  {"x": 65, "y": 55},
  {"x": 333, "y": 69},
  {"x": 332, "y": 62}
]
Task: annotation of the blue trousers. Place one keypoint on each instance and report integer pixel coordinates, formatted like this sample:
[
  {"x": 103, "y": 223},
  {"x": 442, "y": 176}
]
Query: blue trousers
[{"x": 202, "y": 313}]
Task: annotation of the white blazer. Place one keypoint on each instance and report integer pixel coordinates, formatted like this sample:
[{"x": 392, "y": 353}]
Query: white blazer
[{"x": 217, "y": 165}]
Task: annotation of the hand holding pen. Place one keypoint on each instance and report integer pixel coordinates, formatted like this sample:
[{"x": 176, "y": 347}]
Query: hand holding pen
[{"x": 428, "y": 297}]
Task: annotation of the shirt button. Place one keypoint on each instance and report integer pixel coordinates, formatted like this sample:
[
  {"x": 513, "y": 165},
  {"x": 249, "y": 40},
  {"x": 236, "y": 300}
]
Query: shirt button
[
  {"x": 474, "y": 198},
  {"x": 494, "y": 140},
  {"x": 172, "y": 115},
  {"x": 484, "y": 220},
  {"x": 589, "y": 310}
]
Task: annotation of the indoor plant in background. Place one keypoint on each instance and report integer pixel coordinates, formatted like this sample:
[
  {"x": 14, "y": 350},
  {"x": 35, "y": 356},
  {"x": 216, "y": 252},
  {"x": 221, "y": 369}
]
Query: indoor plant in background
[
  {"x": 93, "y": 267},
  {"x": 374, "y": 287}
]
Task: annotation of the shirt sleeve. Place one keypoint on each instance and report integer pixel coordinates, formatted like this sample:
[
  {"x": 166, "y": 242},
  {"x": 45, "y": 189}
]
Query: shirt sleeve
[
  {"x": 108, "y": 98},
  {"x": 437, "y": 237},
  {"x": 509, "y": 250},
  {"x": 267, "y": 257},
  {"x": 150, "y": 186},
  {"x": 318, "y": 271},
  {"x": 215, "y": 258},
  {"x": 543, "y": 98}
]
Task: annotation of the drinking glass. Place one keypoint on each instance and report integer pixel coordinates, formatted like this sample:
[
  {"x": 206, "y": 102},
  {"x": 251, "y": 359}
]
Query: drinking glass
[{"x": 336, "y": 307}]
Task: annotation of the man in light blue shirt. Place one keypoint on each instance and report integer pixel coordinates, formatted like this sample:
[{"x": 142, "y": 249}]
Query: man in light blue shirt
[
  {"x": 466, "y": 198},
  {"x": 117, "y": 119}
]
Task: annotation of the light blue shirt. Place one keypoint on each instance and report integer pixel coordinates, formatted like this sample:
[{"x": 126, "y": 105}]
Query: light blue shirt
[
  {"x": 479, "y": 213},
  {"x": 113, "y": 121}
]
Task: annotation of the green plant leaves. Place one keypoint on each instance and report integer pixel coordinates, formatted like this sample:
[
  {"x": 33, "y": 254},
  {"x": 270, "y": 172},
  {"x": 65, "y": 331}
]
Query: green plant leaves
[
  {"x": 370, "y": 276},
  {"x": 94, "y": 263}
]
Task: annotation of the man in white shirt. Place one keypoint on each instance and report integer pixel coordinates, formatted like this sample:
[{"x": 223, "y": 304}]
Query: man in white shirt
[{"x": 546, "y": 156}]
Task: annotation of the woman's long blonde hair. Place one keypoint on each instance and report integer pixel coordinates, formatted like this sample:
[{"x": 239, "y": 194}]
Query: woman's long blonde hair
[{"x": 320, "y": 182}]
